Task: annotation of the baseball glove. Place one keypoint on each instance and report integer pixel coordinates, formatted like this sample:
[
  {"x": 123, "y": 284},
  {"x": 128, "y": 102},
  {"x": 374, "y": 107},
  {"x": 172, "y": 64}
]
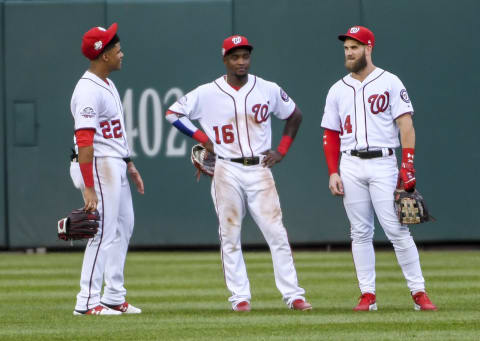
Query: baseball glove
[
  {"x": 203, "y": 160},
  {"x": 410, "y": 207},
  {"x": 79, "y": 224}
]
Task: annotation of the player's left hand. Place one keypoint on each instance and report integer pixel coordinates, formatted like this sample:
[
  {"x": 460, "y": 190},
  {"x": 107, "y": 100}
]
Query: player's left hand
[
  {"x": 407, "y": 175},
  {"x": 136, "y": 178},
  {"x": 272, "y": 157},
  {"x": 336, "y": 185}
]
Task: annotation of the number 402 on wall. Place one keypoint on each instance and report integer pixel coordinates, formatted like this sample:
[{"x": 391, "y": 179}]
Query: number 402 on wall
[{"x": 150, "y": 118}]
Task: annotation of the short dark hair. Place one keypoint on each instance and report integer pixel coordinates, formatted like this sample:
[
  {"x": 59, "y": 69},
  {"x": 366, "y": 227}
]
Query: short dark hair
[
  {"x": 238, "y": 48},
  {"x": 111, "y": 43}
]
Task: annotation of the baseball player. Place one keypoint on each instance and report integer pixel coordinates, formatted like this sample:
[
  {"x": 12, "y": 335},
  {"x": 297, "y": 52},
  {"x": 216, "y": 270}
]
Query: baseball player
[
  {"x": 234, "y": 111},
  {"x": 364, "y": 112},
  {"x": 99, "y": 171}
]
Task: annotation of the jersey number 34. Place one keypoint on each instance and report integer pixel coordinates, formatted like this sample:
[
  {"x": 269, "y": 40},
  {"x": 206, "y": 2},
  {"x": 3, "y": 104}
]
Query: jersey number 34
[{"x": 346, "y": 127}]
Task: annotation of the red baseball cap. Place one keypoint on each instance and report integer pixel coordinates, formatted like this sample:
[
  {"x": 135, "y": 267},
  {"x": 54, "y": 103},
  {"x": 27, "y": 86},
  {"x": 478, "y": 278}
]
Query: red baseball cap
[
  {"x": 234, "y": 42},
  {"x": 359, "y": 33},
  {"x": 95, "y": 40}
]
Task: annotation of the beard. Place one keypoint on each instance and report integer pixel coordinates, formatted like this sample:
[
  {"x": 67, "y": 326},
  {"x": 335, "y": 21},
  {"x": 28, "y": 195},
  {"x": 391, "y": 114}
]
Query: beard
[{"x": 358, "y": 65}]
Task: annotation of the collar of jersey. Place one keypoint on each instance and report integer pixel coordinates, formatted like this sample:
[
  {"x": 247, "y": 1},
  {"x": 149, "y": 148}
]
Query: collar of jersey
[
  {"x": 94, "y": 77},
  {"x": 222, "y": 83},
  {"x": 355, "y": 82}
]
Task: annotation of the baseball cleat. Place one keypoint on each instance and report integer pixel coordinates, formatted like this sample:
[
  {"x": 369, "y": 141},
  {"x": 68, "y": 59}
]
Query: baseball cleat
[
  {"x": 98, "y": 310},
  {"x": 301, "y": 305},
  {"x": 242, "y": 306},
  {"x": 125, "y": 308},
  {"x": 367, "y": 302},
  {"x": 422, "y": 302}
]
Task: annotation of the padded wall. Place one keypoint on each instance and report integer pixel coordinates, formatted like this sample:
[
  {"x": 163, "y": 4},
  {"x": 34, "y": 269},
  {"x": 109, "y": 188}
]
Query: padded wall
[{"x": 173, "y": 46}]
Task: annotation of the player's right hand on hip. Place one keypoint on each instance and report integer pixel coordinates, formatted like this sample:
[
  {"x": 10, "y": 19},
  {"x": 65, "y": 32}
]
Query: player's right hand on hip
[
  {"x": 335, "y": 184},
  {"x": 90, "y": 198},
  {"x": 271, "y": 158}
]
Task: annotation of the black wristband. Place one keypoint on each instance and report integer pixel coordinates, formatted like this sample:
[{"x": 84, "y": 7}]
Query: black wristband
[{"x": 127, "y": 159}]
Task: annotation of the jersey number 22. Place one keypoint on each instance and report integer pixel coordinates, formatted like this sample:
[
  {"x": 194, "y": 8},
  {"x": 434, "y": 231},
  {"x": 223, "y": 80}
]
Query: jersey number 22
[{"x": 111, "y": 129}]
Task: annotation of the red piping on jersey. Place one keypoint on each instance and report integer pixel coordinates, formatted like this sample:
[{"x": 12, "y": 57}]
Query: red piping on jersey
[
  {"x": 355, "y": 108},
  {"x": 364, "y": 108},
  {"x": 236, "y": 121},
  {"x": 246, "y": 118}
]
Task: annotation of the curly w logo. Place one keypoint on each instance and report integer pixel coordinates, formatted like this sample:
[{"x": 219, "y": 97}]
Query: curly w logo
[{"x": 379, "y": 103}]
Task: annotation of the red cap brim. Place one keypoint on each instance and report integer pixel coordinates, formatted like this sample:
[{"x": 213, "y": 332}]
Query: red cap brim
[
  {"x": 111, "y": 31},
  {"x": 245, "y": 46},
  {"x": 343, "y": 37}
]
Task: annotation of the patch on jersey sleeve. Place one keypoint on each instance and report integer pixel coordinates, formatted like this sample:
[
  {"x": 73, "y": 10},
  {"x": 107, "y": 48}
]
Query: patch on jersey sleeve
[
  {"x": 88, "y": 112},
  {"x": 183, "y": 100},
  {"x": 404, "y": 96},
  {"x": 284, "y": 95}
]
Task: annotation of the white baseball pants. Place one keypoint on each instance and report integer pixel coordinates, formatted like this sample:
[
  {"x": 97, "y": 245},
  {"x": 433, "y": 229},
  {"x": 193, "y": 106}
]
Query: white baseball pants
[
  {"x": 369, "y": 185},
  {"x": 105, "y": 254},
  {"x": 236, "y": 187}
]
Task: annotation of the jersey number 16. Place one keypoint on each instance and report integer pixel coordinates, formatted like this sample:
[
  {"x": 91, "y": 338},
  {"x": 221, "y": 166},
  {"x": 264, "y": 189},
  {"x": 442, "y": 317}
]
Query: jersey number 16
[{"x": 227, "y": 134}]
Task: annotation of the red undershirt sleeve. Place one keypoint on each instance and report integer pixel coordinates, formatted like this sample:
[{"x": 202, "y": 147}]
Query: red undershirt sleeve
[
  {"x": 84, "y": 137},
  {"x": 331, "y": 148}
]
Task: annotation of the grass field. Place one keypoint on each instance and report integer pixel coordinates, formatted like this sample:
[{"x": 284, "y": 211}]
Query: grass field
[{"x": 183, "y": 297}]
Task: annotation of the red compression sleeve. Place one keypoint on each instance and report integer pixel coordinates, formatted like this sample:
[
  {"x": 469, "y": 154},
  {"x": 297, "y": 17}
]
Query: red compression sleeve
[
  {"x": 407, "y": 157},
  {"x": 84, "y": 137},
  {"x": 331, "y": 148},
  {"x": 284, "y": 144},
  {"x": 200, "y": 136},
  {"x": 87, "y": 173}
]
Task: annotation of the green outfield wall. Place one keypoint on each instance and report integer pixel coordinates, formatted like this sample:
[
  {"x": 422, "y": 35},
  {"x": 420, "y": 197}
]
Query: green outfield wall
[
  {"x": 173, "y": 46},
  {"x": 3, "y": 216}
]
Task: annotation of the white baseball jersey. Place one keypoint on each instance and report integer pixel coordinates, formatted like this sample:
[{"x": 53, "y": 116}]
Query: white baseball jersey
[
  {"x": 238, "y": 122},
  {"x": 364, "y": 112},
  {"x": 97, "y": 105}
]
